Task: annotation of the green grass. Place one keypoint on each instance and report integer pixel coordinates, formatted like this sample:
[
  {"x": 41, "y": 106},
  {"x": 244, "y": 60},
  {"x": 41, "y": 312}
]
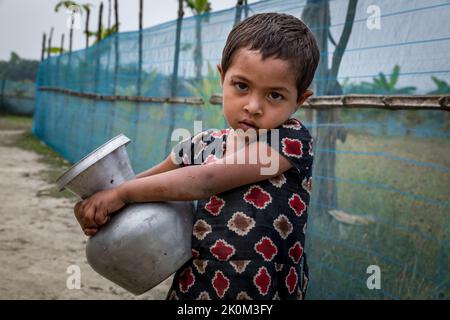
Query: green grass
[
  {"x": 409, "y": 238},
  {"x": 11, "y": 122}
]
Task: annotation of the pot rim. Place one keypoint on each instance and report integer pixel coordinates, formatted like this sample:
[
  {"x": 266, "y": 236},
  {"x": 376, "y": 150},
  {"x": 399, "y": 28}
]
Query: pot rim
[{"x": 90, "y": 159}]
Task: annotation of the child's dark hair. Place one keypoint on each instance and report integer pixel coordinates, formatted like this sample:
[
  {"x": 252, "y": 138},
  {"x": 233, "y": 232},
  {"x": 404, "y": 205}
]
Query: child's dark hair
[{"x": 280, "y": 36}]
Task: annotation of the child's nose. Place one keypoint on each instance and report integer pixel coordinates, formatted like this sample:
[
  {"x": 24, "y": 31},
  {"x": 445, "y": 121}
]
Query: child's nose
[{"x": 254, "y": 106}]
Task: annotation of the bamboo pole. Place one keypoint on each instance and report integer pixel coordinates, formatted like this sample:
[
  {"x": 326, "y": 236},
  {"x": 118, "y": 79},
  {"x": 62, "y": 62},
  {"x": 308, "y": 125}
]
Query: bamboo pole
[
  {"x": 96, "y": 96},
  {"x": 50, "y": 42},
  {"x": 43, "y": 47},
  {"x": 424, "y": 102}
]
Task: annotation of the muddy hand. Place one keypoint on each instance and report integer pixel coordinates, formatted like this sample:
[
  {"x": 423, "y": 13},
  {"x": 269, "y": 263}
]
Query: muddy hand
[{"x": 94, "y": 211}]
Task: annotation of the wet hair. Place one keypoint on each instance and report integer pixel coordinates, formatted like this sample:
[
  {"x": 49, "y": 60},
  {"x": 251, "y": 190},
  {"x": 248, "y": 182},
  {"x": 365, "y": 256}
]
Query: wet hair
[{"x": 276, "y": 35}]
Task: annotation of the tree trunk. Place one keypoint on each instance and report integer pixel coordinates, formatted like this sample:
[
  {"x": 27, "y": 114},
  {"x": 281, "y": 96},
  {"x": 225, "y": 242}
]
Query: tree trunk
[
  {"x": 43, "y": 47},
  {"x": 140, "y": 50},
  {"x": 174, "y": 86},
  {"x": 97, "y": 68},
  {"x": 116, "y": 46},
  {"x": 72, "y": 21},
  {"x": 109, "y": 14},
  {"x": 99, "y": 30},
  {"x": 135, "y": 122},
  {"x": 88, "y": 14},
  {"x": 116, "y": 14},
  {"x": 317, "y": 15},
  {"x": 62, "y": 43},
  {"x": 237, "y": 17},
  {"x": 50, "y": 42},
  {"x": 198, "y": 59},
  {"x": 246, "y": 8},
  {"x": 61, "y": 48}
]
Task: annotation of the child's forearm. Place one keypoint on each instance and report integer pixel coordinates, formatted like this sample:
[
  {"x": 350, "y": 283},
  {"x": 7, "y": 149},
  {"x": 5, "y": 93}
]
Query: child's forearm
[
  {"x": 183, "y": 184},
  {"x": 161, "y": 167},
  {"x": 150, "y": 172}
]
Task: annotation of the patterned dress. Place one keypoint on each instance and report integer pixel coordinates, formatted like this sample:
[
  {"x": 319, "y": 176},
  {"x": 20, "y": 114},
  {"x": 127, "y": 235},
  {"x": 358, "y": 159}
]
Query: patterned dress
[{"x": 247, "y": 243}]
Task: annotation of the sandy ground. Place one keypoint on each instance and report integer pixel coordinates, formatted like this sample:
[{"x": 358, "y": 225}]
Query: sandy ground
[{"x": 40, "y": 238}]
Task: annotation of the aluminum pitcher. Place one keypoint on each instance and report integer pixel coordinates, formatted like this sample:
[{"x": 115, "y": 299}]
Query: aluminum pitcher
[{"x": 142, "y": 244}]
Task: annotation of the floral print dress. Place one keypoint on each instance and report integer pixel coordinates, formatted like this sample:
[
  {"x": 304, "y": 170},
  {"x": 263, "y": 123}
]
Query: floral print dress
[{"x": 248, "y": 242}]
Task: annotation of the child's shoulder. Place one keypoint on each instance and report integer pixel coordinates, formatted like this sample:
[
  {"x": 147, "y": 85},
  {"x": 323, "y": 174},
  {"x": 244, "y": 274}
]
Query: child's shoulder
[
  {"x": 294, "y": 127},
  {"x": 210, "y": 134}
]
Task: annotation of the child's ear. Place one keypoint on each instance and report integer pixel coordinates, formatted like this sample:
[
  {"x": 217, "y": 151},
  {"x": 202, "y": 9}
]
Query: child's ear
[
  {"x": 301, "y": 98},
  {"x": 219, "y": 67}
]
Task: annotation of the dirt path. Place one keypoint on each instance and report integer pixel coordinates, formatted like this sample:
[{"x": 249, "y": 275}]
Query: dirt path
[{"x": 40, "y": 238}]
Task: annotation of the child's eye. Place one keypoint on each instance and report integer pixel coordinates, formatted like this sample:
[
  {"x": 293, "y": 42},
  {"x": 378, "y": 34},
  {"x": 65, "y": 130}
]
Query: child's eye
[
  {"x": 240, "y": 86},
  {"x": 275, "y": 96}
]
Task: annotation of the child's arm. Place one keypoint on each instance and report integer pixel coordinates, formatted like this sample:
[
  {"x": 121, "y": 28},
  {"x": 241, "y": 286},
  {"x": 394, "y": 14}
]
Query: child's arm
[
  {"x": 163, "y": 166},
  {"x": 201, "y": 181},
  {"x": 186, "y": 183}
]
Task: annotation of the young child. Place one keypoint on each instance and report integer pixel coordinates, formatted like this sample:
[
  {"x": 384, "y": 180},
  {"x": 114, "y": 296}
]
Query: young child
[{"x": 249, "y": 226}]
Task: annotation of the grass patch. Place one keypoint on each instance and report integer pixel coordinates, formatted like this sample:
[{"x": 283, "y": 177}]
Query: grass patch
[
  {"x": 408, "y": 239},
  {"x": 12, "y": 122}
]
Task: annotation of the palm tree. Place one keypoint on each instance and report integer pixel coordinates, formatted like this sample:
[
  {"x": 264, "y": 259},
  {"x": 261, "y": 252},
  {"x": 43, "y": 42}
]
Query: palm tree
[
  {"x": 199, "y": 8},
  {"x": 73, "y": 6}
]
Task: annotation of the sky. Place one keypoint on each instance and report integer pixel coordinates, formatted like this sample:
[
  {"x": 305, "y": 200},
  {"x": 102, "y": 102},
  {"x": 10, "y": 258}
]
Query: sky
[{"x": 22, "y": 22}]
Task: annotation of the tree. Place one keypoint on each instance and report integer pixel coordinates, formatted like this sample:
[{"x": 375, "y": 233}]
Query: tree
[
  {"x": 174, "y": 80},
  {"x": 73, "y": 7},
  {"x": 316, "y": 14},
  {"x": 18, "y": 69},
  {"x": 239, "y": 5},
  {"x": 200, "y": 9}
]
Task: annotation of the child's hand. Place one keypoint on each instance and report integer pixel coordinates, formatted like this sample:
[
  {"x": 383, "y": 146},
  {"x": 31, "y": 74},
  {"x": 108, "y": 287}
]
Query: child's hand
[{"x": 93, "y": 212}]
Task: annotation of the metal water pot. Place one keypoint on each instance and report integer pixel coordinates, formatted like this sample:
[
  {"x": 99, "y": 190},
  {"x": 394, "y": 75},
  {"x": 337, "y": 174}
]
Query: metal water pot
[{"x": 142, "y": 244}]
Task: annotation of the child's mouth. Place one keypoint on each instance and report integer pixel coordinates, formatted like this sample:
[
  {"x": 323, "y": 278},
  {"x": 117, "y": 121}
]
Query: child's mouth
[{"x": 245, "y": 125}]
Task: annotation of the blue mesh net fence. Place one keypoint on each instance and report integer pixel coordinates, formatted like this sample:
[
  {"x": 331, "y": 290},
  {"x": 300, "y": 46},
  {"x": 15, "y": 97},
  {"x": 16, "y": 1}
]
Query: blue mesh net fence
[
  {"x": 17, "y": 97},
  {"x": 381, "y": 177}
]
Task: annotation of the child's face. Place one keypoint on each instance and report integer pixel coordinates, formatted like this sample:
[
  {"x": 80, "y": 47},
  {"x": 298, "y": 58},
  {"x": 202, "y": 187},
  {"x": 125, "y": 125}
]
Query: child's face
[{"x": 259, "y": 94}]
